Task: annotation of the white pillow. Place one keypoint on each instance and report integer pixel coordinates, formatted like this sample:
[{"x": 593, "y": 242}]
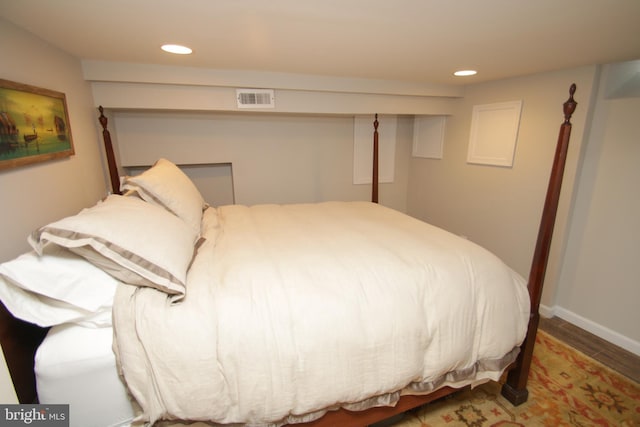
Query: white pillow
[
  {"x": 44, "y": 311},
  {"x": 57, "y": 287},
  {"x": 136, "y": 242},
  {"x": 61, "y": 275},
  {"x": 166, "y": 185}
]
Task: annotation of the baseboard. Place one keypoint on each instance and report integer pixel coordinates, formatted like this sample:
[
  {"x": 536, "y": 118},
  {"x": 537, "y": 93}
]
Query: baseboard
[
  {"x": 590, "y": 326},
  {"x": 547, "y": 312}
]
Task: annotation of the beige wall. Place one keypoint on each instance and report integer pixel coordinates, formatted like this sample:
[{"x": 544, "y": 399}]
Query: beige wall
[
  {"x": 274, "y": 158},
  {"x": 593, "y": 266},
  {"x": 35, "y": 195},
  {"x": 500, "y": 207},
  {"x": 599, "y": 278}
]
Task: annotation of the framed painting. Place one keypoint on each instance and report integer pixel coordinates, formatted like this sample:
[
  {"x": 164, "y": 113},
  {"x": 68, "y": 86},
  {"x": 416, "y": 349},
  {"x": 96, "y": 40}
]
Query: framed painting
[{"x": 34, "y": 125}]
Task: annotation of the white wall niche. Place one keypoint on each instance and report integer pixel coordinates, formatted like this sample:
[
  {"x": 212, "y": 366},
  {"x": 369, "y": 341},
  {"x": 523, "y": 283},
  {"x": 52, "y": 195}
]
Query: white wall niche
[
  {"x": 494, "y": 132},
  {"x": 428, "y": 136}
]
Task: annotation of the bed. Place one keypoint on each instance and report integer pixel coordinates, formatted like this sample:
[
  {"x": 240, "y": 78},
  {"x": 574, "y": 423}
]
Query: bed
[{"x": 334, "y": 313}]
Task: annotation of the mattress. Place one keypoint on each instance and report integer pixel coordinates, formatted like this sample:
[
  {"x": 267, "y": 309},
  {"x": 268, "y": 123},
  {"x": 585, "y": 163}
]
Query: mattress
[{"x": 75, "y": 365}]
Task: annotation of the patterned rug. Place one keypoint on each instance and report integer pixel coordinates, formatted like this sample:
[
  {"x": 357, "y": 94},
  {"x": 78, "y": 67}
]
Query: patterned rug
[{"x": 566, "y": 388}]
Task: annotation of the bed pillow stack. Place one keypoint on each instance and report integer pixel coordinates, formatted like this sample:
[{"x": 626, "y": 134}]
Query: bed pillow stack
[
  {"x": 137, "y": 242},
  {"x": 73, "y": 271}
]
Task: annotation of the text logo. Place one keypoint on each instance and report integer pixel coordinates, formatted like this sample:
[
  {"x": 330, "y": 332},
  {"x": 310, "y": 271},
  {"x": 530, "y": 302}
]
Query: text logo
[{"x": 34, "y": 415}]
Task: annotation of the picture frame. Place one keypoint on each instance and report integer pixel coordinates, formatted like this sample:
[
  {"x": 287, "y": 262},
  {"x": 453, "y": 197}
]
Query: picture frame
[{"x": 34, "y": 125}]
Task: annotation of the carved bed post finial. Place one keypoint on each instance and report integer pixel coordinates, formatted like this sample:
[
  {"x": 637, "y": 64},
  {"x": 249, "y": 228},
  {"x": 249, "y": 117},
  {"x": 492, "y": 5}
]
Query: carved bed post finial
[
  {"x": 108, "y": 148},
  {"x": 102, "y": 118},
  {"x": 374, "y": 177},
  {"x": 570, "y": 105}
]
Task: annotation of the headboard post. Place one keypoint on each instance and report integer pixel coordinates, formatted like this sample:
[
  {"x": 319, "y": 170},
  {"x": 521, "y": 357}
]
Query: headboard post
[
  {"x": 374, "y": 177},
  {"x": 108, "y": 148},
  {"x": 515, "y": 388}
]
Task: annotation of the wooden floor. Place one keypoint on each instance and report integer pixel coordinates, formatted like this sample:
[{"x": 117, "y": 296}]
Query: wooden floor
[{"x": 618, "y": 359}]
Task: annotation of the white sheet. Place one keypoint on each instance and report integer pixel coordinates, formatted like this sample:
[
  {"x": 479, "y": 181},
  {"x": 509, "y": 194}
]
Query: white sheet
[
  {"x": 75, "y": 365},
  {"x": 294, "y": 309}
]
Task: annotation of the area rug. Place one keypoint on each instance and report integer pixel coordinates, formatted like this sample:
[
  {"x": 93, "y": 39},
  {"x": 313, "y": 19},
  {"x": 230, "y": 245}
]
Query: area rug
[{"x": 566, "y": 388}]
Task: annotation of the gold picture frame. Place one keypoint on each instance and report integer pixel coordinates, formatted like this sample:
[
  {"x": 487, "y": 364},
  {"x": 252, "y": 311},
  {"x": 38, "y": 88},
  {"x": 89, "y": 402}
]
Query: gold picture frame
[{"x": 34, "y": 125}]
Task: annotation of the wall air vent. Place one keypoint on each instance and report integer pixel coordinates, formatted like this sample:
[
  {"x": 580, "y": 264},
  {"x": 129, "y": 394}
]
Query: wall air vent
[{"x": 255, "y": 98}]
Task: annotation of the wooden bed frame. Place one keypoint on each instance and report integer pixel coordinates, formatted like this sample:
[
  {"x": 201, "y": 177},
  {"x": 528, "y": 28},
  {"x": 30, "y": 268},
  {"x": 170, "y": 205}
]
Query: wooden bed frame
[{"x": 20, "y": 340}]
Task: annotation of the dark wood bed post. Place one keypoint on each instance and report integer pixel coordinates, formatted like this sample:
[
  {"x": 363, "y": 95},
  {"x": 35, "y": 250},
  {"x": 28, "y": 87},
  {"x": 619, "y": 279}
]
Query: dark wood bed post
[
  {"x": 374, "y": 177},
  {"x": 108, "y": 148},
  {"x": 515, "y": 389}
]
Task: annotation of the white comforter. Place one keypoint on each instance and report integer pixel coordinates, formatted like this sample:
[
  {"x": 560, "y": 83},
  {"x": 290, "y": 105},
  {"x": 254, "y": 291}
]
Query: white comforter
[{"x": 294, "y": 309}]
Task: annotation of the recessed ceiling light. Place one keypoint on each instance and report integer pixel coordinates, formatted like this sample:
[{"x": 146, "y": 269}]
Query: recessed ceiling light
[
  {"x": 463, "y": 73},
  {"x": 176, "y": 48}
]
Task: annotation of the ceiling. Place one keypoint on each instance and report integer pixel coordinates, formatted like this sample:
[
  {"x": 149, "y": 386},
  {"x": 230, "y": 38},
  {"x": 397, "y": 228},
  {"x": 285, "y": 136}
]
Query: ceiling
[{"x": 422, "y": 41}]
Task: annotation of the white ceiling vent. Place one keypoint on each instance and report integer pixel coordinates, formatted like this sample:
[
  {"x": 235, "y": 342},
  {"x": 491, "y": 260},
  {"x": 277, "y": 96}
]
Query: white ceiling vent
[{"x": 255, "y": 98}]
